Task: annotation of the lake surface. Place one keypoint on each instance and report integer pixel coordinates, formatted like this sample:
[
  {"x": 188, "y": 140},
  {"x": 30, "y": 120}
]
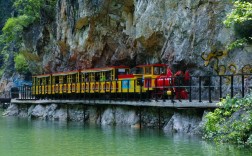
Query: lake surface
[{"x": 24, "y": 137}]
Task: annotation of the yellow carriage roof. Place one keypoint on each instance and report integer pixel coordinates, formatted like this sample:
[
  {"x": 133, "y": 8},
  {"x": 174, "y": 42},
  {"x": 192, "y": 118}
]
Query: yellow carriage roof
[
  {"x": 65, "y": 73},
  {"x": 102, "y": 69},
  {"x": 41, "y": 76}
]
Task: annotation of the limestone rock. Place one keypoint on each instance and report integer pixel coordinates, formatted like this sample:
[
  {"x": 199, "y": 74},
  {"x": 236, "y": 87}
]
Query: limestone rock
[
  {"x": 38, "y": 111},
  {"x": 60, "y": 114},
  {"x": 119, "y": 116},
  {"x": 182, "y": 123},
  {"x": 108, "y": 117},
  {"x": 125, "y": 117},
  {"x": 12, "y": 110},
  {"x": 76, "y": 114}
]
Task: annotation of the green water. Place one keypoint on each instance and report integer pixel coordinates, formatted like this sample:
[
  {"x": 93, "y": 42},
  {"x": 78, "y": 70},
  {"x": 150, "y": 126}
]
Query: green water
[{"x": 23, "y": 137}]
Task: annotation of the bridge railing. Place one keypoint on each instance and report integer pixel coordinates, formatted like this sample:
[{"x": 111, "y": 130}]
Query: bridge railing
[
  {"x": 196, "y": 88},
  {"x": 25, "y": 92}
]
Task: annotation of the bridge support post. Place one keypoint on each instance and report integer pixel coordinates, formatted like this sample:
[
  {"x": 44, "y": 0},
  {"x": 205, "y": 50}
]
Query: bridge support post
[
  {"x": 99, "y": 113},
  {"x": 164, "y": 89},
  {"x": 134, "y": 89},
  {"x": 200, "y": 89},
  {"x": 27, "y": 108},
  {"x": 84, "y": 112},
  {"x": 140, "y": 117},
  {"x": 159, "y": 119},
  {"x": 190, "y": 89},
  {"x": 209, "y": 90},
  {"x": 68, "y": 116}
]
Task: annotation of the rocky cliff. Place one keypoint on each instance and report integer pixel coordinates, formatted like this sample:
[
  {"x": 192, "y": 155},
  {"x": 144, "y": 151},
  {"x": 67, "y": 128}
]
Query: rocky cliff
[{"x": 97, "y": 33}]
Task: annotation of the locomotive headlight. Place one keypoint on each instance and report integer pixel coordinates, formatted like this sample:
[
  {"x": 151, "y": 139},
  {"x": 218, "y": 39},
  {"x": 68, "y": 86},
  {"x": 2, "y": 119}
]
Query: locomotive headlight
[{"x": 169, "y": 92}]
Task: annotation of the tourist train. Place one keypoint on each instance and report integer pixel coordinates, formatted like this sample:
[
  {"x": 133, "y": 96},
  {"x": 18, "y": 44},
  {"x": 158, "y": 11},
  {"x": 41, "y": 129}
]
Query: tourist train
[{"x": 152, "y": 80}]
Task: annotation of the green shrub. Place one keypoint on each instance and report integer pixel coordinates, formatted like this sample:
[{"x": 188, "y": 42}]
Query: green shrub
[
  {"x": 29, "y": 11},
  {"x": 14, "y": 26},
  {"x": 241, "y": 18},
  {"x": 232, "y": 122},
  {"x": 21, "y": 64}
]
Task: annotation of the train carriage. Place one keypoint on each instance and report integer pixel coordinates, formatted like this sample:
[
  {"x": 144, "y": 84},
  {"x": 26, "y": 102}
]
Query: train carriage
[
  {"x": 102, "y": 80},
  {"x": 150, "y": 80},
  {"x": 66, "y": 83},
  {"x": 41, "y": 85},
  {"x": 143, "y": 78},
  {"x": 150, "y": 73}
]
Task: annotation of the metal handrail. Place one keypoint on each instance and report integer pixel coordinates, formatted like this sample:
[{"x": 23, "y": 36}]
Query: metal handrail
[{"x": 198, "y": 88}]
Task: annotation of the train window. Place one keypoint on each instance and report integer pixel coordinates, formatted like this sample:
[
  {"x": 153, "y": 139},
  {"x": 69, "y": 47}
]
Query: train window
[
  {"x": 56, "y": 80},
  {"x": 102, "y": 76},
  {"x": 82, "y": 77},
  {"x": 85, "y": 77},
  {"x": 49, "y": 80},
  {"x": 159, "y": 70},
  {"x": 162, "y": 70},
  {"x": 97, "y": 76},
  {"x": 34, "y": 80},
  {"x": 156, "y": 71},
  {"x": 139, "y": 70},
  {"x": 38, "y": 81},
  {"x": 44, "y": 81},
  {"x": 60, "y": 79},
  {"x": 108, "y": 75},
  {"x": 92, "y": 76},
  {"x": 136, "y": 71},
  {"x": 112, "y": 74},
  {"x": 69, "y": 78},
  {"x": 121, "y": 71},
  {"x": 73, "y": 78},
  {"x": 77, "y": 80},
  {"x": 147, "y": 70},
  {"x": 64, "y": 79}
]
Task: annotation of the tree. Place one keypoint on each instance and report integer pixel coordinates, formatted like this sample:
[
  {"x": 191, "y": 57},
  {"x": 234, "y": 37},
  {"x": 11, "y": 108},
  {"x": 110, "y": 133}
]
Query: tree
[
  {"x": 14, "y": 26},
  {"x": 26, "y": 12},
  {"x": 21, "y": 64},
  {"x": 241, "y": 18}
]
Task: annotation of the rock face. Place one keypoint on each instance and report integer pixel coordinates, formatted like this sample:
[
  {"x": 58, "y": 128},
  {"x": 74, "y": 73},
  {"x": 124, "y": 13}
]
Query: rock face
[
  {"x": 183, "y": 34},
  {"x": 11, "y": 111},
  {"x": 183, "y": 123},
  {"x": 119, "y": 116},
  {"x": 189, "y": 122}
]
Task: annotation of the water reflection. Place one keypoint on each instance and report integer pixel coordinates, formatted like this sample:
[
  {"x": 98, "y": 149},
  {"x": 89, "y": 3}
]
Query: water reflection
[{"x": 22, "y": 137}]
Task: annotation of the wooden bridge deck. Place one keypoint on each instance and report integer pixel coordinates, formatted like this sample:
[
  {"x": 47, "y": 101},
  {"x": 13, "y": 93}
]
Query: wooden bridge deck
[{"x": 149, "y": 103}]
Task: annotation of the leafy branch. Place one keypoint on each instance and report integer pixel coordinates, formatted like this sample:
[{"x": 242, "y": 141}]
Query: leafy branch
[
  {"x": 240, "y": 15},
  {"x": 242, "y": 12}
]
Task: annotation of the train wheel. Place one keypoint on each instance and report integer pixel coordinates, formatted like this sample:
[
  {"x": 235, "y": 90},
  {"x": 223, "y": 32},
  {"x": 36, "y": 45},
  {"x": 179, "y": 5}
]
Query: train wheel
[
  {"x": 107, "y": 96},
  {"x": 158, "y": 95}
]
